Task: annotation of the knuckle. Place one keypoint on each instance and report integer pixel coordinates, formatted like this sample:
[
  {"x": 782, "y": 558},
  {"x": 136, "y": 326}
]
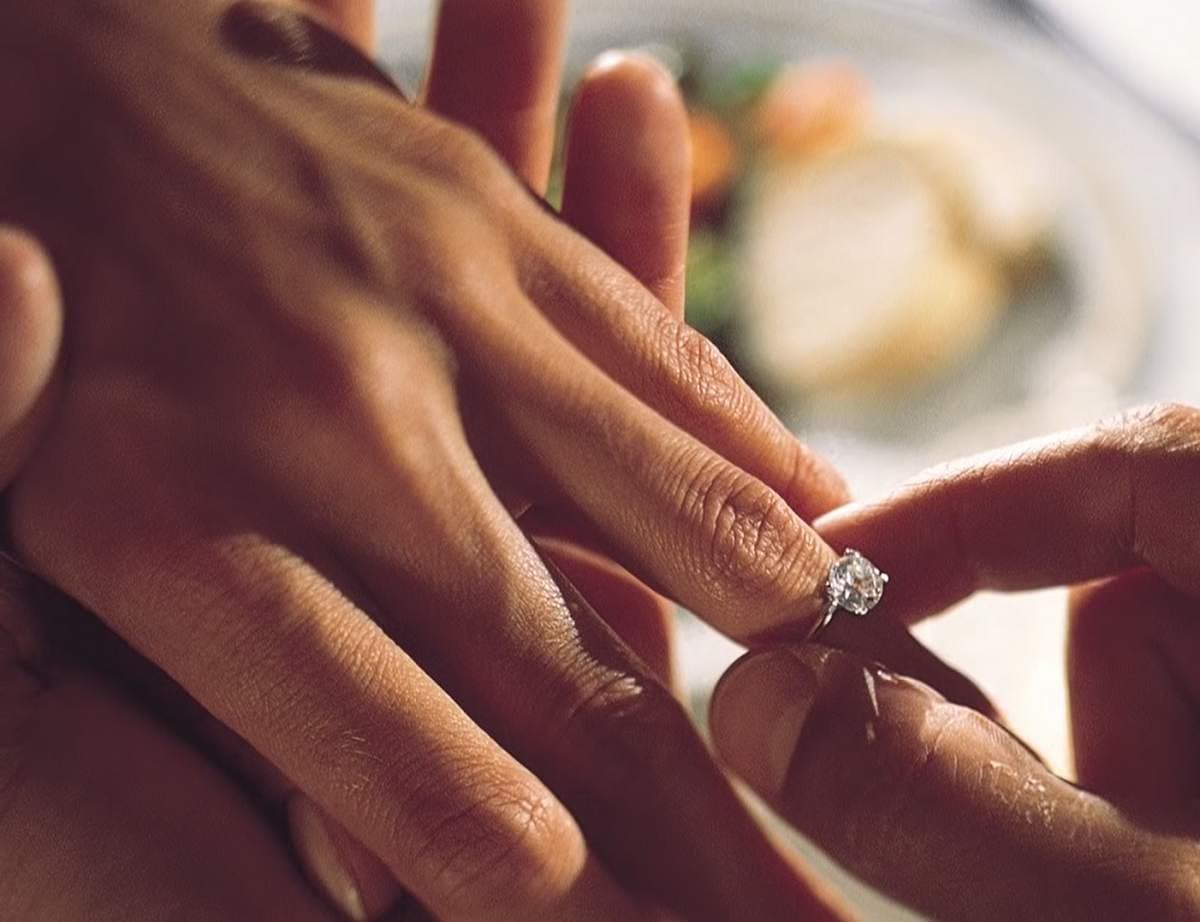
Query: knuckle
[
  {"x": 382, "y": 388},
  {"x": 467, "y": 162},
  {"x": 1153, "y": 428},
  {"x": 1179, "y": 890},
  {"x": 343, "y": 363},
  {"x": 511, "y": 844},
  {"x": 1156, "y": 450},
  {"x": 1174, "y": 422},
  {"x": 623, "y": 729},
  {"x": 699, "y": 371},
  {"x": 750, "y": 546}
]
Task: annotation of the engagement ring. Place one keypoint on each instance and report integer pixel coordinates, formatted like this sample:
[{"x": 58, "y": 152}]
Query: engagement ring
[{"x": 854, "y": 585}]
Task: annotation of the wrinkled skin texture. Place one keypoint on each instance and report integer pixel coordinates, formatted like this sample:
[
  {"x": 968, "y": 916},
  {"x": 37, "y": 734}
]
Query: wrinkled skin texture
[
  {"x": 322, "y": 351},
  {"x": 938, "y": 804}
]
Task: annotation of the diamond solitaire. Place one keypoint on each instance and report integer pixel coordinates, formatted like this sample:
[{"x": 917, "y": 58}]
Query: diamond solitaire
[{"x": 854, "y": 584}]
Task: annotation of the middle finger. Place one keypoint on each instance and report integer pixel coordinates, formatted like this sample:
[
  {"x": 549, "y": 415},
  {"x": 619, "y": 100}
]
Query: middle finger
[
  {"x": 677, "y": 514},
  {"x": 496, "y": 67}
]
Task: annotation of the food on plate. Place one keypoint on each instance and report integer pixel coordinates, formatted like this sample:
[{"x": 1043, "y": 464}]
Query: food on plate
[
  {"x": 714, "y": 159},
  {"x": 855, "y": 276},
  {"x": 813, "y": 108},
  {"x": 853, "y": 242}
]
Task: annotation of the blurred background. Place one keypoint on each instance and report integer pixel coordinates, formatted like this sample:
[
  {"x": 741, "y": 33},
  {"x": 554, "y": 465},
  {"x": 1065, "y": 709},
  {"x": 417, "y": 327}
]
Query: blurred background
[{"x": 924, "y": 229}]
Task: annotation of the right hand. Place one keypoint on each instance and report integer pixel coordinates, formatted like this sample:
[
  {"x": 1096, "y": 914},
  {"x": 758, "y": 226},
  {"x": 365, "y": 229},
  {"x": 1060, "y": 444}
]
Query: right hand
[
  {"x": 324, "y": 353},
  {"x": 937, "y": 804}
]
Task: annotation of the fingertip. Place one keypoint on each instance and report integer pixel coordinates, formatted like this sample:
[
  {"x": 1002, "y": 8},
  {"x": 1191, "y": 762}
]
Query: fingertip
[
  {"x": 342, "y": 870},
  {"x": 757, "y": 714},
  {"x": 815, "y": 487},
  {"x": 30, "y": 325},
  {"x": 628, "y": 98},
  {"x": 635, "y": 79},
  {"x": 28, "y": 277},
  {"x": 628, "y": 169}
]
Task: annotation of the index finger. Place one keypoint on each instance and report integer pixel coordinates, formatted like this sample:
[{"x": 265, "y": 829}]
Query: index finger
[{"x": 1064, "y": 509}]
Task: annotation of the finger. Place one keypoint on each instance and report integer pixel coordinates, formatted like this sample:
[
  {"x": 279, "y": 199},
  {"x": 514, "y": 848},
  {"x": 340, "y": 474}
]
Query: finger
[
  {"x": 889, "y": 643},
  {"x": 929, "y": 801},
  {"x": 627, "y": 189},
  {"x": 679, "y": 516},
  {"x": 641, "y": 618},
  {"x": 70, "y": 641},
  {"x": 1065, "y": 509},
  {"x": 30, "y": 331},
  {"x": 98, "y": 793},
  {"x": 341, "y": 869},
  {"x": 628, "y": 170},
  {"x": 136, "y": 822},
  {"x": 1132, "y": 651},
  {"x": 338, "y": 867},
  {"x": 624, "y": 331},
  {"x": 353, "y": 19},
  {"x": 276, "y": 653},
  {"x": 525, "y": 654},
  {"x": 496, "y": 68}
]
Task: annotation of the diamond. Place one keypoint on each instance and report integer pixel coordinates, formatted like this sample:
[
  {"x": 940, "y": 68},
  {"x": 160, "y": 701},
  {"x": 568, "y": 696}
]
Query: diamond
[{"x": 855, "y": 584}]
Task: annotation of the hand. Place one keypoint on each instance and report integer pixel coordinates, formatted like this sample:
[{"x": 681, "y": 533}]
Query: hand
[
  {"x": 103, "y": 813},
  {"x": 620, "y": 100},
  {"x": 944, "y": 808},
  {"x": 223, "y": 518}
]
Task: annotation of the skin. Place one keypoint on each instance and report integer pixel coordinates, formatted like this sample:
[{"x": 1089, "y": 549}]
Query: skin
[
  {"x": 936, "y": 803},
  {"x": 30, "y": 334},
  {"x": 936, "y": 786},
  {"x": 191, "y": 484}
]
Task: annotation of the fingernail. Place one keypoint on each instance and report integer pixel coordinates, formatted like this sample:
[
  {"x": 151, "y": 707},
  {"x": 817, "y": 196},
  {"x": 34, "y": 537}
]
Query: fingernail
[
  {"x": 322, "y": 859},
  {"x": 758, "y": 713}
]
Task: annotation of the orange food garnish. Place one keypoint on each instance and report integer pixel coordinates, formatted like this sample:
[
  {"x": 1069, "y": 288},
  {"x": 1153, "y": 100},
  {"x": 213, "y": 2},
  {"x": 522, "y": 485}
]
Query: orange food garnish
[
  {"x": 715, "y": 160},
  {"x": 813, "y": 108}
]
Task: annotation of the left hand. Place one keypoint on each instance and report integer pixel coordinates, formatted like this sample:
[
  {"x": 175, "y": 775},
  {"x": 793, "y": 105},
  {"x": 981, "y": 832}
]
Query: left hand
[
  {"x": 619, "y": 119},
  {"x": 932, "y": 801}
]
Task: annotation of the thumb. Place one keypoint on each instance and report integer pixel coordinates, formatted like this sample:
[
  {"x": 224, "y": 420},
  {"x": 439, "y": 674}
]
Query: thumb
[
  {"x": 30, "y": 331},
  {"x": 930, "y": 801}
]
